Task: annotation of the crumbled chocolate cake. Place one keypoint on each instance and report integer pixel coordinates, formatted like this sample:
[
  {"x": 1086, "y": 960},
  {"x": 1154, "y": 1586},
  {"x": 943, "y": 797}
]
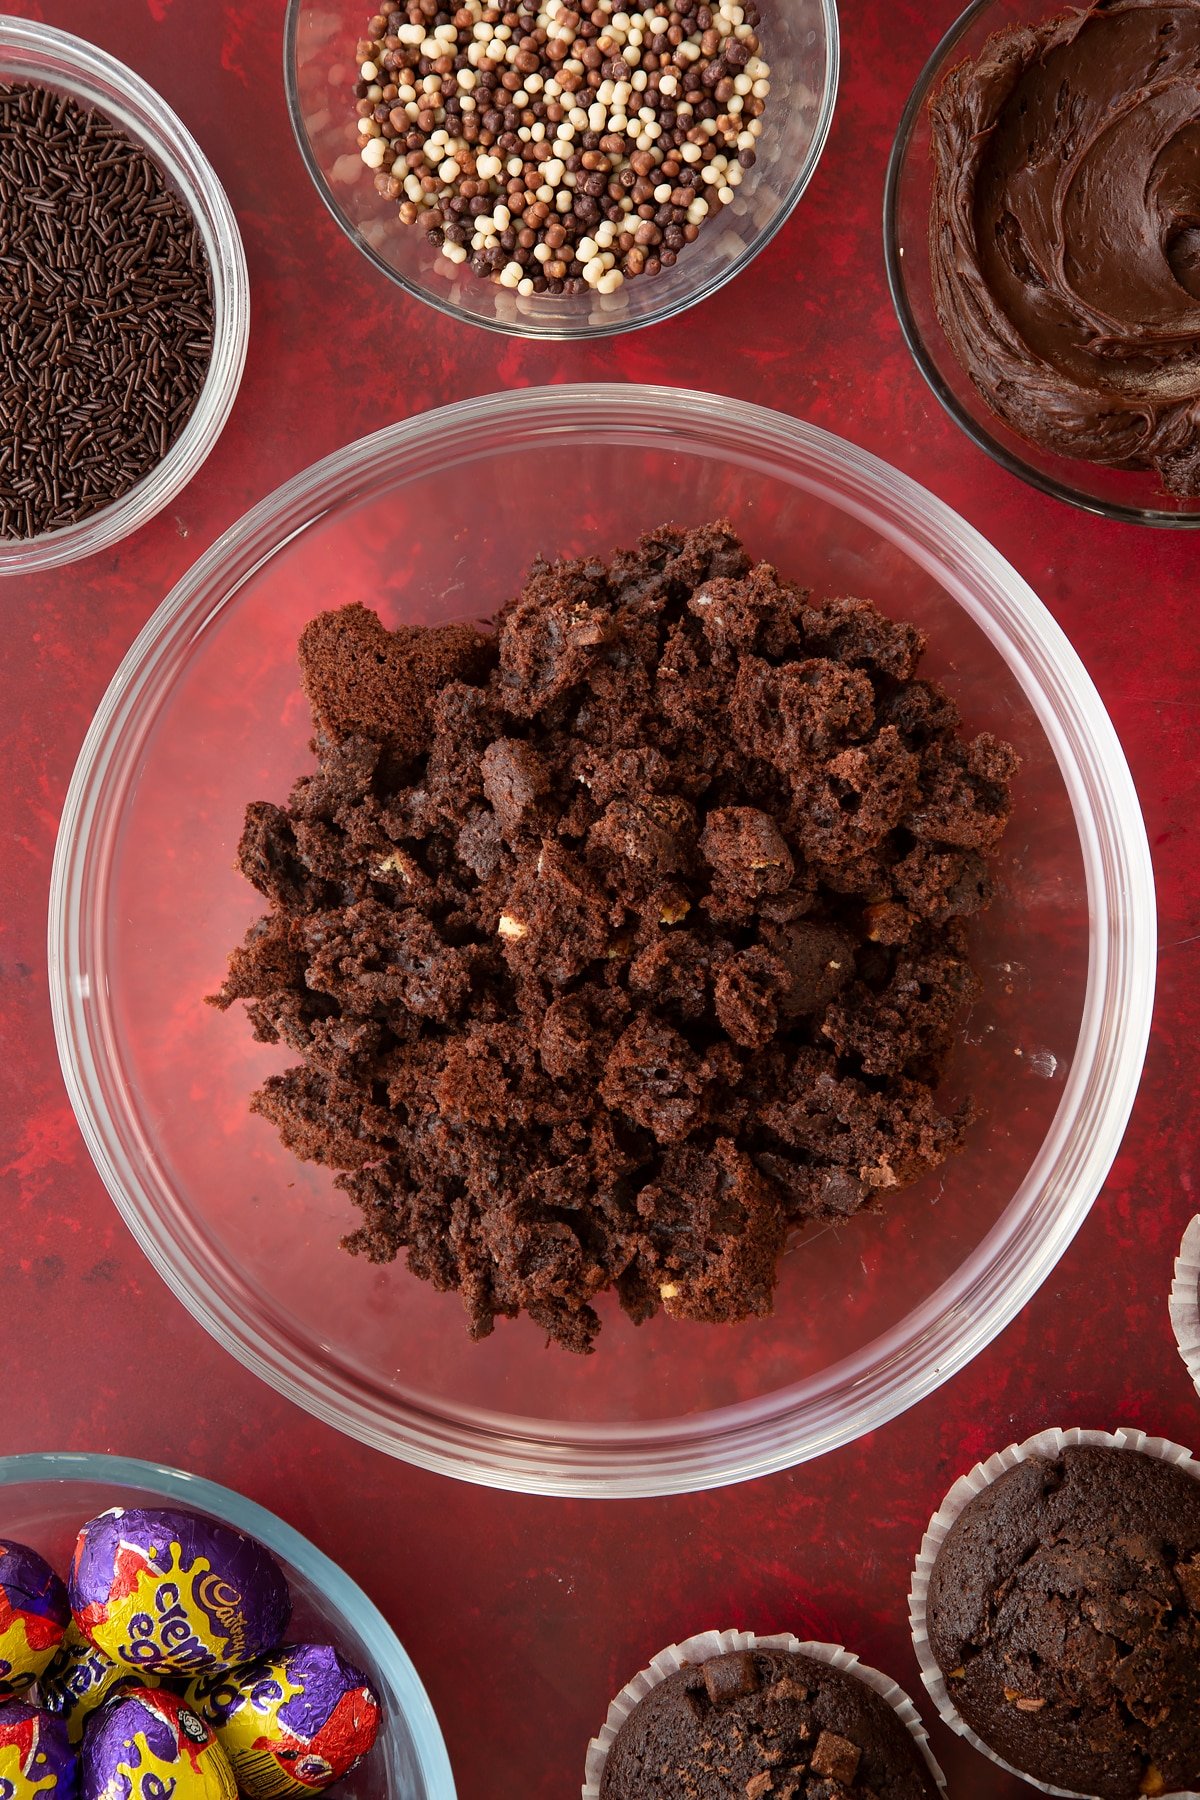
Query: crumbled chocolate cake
[
  {"x": 764, "y": 1725},
  {"x": 619, "y": 942},
  {"x": 1064, "y": 1612}
]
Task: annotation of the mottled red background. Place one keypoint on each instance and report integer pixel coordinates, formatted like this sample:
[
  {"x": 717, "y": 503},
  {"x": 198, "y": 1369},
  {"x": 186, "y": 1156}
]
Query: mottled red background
[{"x": 523, "y": 1615}]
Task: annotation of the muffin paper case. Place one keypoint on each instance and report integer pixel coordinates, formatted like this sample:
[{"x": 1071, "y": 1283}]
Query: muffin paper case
[
  {"x": 1185, "y": 1301},
  {"x": 1047, "y": 1443},
  {"x": 707, "y": 1644}
]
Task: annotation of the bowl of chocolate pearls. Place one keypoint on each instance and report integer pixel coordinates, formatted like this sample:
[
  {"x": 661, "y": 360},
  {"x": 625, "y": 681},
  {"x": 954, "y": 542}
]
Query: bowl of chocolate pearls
[
  {"x": 126, "y": 308},
  {"x": 612, "y": 996},
  {"x": 555, "y": 172}
]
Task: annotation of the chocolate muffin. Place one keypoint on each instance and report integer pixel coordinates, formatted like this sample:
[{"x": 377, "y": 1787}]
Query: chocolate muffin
[
  {"x": 764, "y": 1725},
  {"x": 617, "y": 943},
  {"x": 1064, "y": 1614}
]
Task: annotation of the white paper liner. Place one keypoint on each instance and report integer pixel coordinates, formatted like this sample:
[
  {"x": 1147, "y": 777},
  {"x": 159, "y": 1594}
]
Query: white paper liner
[
  {"x": 707, "y": 1644},
  {"x": 1184, "y": 1304},
  {"x": 1047, "y": 1443}
]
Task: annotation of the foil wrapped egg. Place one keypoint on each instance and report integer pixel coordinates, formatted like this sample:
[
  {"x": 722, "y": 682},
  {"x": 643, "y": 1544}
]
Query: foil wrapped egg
[
  {"x": 148, "y": 1744},
  {"x": 173, "y": 1593},
  {"x": 36, "y": 1760},
  {"x": 292, "y": 1722},
  {"x": 34, "y": 1615}
]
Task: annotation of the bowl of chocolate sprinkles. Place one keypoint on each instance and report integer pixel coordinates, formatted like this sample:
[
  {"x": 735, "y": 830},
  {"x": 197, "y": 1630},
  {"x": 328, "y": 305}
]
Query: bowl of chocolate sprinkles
[
  {"x": 554, "y": 796},
  {"x": 555, "y": 171},
  {"x": 124, "y": 300}
]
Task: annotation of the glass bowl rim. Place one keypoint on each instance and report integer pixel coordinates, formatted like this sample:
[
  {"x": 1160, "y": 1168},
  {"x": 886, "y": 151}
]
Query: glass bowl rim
[
  {"x": 898, "y": 287},
  {"x": 171, "y": 143},
  {"x": 741, "y": 1441},
  {"x": 178, "y": 1486},
  {"x": 568, "y": 332}
]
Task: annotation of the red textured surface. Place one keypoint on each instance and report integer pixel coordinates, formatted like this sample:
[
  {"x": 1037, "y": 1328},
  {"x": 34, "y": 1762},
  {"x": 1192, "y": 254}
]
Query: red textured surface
[{"x": 567, "y": 1600}]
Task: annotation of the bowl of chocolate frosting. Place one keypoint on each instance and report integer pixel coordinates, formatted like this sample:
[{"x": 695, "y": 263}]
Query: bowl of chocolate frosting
[{"x": 1042, "y": 236}]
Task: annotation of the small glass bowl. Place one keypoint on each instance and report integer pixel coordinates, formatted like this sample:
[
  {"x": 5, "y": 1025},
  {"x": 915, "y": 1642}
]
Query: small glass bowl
[
  {"x": 45, "y": 1498},
  {"x": 439, "y": 518},
  {"x": 1134, "y": 495},
  {"x": 44, "y": 57},
  {"x": 800, "y": 41}
]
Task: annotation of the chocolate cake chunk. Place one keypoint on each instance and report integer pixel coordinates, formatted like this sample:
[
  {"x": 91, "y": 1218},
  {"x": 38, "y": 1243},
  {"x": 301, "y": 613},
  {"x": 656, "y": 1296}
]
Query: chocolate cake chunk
[
  {"x": 1064, "y": 1612},
  {"x": 365, "y": 681},
  {"x": 764, "y": 1725},
  {"x": 617, "y": 943}
]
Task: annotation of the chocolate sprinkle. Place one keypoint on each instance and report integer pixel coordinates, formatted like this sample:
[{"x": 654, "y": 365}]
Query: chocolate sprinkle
[
  {"x": 106, "y": 312},
  {"x": 619, "y": 943}
]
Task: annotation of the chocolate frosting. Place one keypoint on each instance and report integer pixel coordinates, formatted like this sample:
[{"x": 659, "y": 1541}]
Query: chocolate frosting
[{"x": 1065, "y": 232}]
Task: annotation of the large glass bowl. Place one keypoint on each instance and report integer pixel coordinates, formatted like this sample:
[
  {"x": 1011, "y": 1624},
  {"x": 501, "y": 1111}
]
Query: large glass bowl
[
  {"x": 800, "y": 41},
  {"x": 44, "y": 1499},
  {"x": 30, "y": 52},
  {"x": 1135, "y": 495},
  {"x": 438, "y": 518}
]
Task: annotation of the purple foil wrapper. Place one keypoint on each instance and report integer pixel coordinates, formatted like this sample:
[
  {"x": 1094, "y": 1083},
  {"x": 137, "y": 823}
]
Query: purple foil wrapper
[
  {"x": 175, "y": 1593},
  {"x": 36, "y": 1758},
  {"x": 292, "y": 1722}
]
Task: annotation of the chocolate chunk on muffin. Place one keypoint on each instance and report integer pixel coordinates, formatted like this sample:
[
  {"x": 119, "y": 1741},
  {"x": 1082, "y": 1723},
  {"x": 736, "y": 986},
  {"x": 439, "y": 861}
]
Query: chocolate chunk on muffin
[
  {"x": 764, "y": 1725},
  {"x": 616, "y": 944},
  {"x": 1064, "y": 1613}
]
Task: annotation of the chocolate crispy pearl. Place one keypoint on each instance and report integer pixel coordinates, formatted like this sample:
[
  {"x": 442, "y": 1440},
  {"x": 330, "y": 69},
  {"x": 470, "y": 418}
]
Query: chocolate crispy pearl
[
  {"x": 764, "y": 1725},
  {"x": 616, "y": 944},
  {"x": 1064, "y": 1610}
]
